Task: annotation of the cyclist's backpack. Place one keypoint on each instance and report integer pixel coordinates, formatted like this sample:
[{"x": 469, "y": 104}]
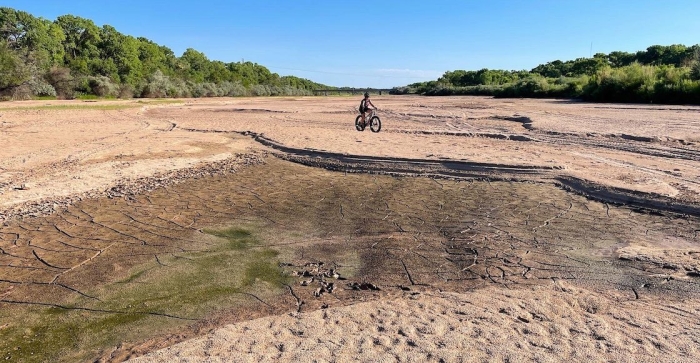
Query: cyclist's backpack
[{"x": 362, "y": 105}]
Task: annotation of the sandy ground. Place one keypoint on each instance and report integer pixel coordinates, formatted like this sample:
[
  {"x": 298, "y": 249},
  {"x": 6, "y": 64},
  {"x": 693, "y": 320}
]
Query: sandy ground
[
  {"x": 544, "y": 324},
  {"x": 589, "y": 141},
  {"x": 56, "y": 153},
  {"x": 63, "y": 151}
]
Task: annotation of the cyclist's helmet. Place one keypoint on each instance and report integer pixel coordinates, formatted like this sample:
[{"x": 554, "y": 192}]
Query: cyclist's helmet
[{"x": 366, "y": 94}]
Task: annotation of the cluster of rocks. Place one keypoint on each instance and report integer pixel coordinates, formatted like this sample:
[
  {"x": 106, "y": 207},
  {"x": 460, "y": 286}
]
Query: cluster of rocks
[
  {"x": 316, "y": 275},
  {"x": 130, "y": 188}
]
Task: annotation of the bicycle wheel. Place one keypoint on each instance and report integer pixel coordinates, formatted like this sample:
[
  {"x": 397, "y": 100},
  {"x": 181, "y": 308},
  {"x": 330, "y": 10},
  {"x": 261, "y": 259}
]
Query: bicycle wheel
[
  {"x": 375, "y": 124},
  {"x": 358, "y": 124}
]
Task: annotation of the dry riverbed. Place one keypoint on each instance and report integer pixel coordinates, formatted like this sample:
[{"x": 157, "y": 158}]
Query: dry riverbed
[{"x": 468, "y": 229}]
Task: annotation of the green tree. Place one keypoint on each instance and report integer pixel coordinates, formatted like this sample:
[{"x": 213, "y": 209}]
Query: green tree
[
  {"x": 663, "y": 55},
  {"x": 13, "y": 71},
  {"x": 74, "y": 54},
  {"x": 218, "y": 73},
  {"x": 123, "y": 52},
  {"x": 553, "y": 69},
  {"x": 586, "y": 66},
  {"x": 15, "y": 28},
  {"x": 81, "y": 44},
  {"x": 196, "y": 65},
  {"x": 155, "y": 57},
  {"x": 620, "y": 59},
  {"x": 694, "y": 64},
  {"x": 35, "y": 38}
]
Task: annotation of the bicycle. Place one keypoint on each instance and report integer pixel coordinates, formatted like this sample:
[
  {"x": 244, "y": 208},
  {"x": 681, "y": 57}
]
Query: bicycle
[{"x": 375, "y": 124}]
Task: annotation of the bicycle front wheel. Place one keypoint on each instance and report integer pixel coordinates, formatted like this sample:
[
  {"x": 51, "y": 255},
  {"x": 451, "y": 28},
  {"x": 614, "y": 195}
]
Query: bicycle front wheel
[{"x": 375, "y": 124}]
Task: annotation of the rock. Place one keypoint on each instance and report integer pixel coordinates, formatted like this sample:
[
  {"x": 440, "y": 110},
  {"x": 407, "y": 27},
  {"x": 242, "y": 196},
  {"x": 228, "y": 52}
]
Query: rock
[{"x": 307, "y": 282}]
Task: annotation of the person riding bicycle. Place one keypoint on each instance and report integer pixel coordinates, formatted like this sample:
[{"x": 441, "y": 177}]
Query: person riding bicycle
[{"x": 364, "y": 107}]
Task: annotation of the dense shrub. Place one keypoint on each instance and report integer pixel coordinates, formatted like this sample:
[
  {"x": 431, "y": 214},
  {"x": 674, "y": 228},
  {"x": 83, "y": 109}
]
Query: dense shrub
[
  {"x": 206, "y": 89},
  {"x": 39, "y": 87},
  {"x": 126, "y": 91},
  {"x": 695, "y": 70},
  {"x": 102, "y": 86},
  {"x": 62, "y": 81},
  {"x": 638, "y": 83},
  {"x": 157, "y": 86},
  {"x": 260, "y": 90},
  {"x": 233, "y": 89},
  {"x": 631, "y": 83},
  {"x": 22, "y": 92},
  {"x": 13, "y": 71},
  {"x": 693, "y": 64}
]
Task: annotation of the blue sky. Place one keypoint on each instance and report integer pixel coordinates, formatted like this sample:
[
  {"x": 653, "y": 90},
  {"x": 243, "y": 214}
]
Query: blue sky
[{"x": 390, "y": 43}]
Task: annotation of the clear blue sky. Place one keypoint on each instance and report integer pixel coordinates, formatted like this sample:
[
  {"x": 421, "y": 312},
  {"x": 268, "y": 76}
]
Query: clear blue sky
[{"x": 390, "y": 43}]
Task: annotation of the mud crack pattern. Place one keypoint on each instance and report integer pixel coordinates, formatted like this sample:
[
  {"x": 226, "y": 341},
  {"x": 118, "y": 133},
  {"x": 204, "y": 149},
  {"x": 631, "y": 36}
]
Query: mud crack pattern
[{"x": 398, "y": 233}]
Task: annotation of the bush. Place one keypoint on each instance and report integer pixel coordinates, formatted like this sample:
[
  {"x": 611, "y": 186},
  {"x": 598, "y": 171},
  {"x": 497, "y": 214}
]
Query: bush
[
  {"x": 158, "y": 86},
  {"x": 203, "y": 90},
  {"x": 178, "y": 88},
  {"x": 695, "y": 70},
  {"x": 259, "y": 90},
  {"x": 21, "y": 93},
  {"x": 102, "y": 86},
  {"x": 14, "y": 71},
  {"x": 231, "y": 89},
  {"x": 637, "y": 83},
  {"x": 62, "y": 81},
  {"x": 197, "y": 90},
  {"x": 694, "y": 65},
  {"x": 291, "y": 91},
  {"x": 535, "y": 86},
  {"x": 41, "y": 88},
  {"x": 126, "y": 91},
  {"x": 401, "y": 91}
]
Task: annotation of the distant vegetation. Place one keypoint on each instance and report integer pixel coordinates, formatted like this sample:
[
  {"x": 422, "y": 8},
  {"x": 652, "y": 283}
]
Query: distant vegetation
[
  {"x": 72, "y": 57},
  {"x": 659, "y": 74}
]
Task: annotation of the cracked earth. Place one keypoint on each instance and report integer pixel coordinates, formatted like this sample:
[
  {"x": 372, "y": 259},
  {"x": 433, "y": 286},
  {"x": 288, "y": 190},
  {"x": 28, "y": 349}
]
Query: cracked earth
[{"x": 467, "y": 229}]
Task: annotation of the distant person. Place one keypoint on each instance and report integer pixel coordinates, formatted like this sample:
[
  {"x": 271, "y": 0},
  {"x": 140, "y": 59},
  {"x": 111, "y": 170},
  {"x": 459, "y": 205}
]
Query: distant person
[{"x": 364, "y": 107}]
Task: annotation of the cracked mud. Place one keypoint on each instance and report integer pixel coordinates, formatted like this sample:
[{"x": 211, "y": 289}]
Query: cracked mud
[{"x": 91, "y": 262}]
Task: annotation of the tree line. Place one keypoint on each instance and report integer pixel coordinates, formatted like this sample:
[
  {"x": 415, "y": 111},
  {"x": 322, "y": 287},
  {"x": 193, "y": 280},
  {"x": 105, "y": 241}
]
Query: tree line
[
  {"x": 659, "y": 74},
  {"x": 72, "y": 57}
]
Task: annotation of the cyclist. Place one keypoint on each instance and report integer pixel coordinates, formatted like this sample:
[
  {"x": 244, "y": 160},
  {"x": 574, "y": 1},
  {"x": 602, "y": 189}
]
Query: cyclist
[{"x": 364, "y": 107}]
